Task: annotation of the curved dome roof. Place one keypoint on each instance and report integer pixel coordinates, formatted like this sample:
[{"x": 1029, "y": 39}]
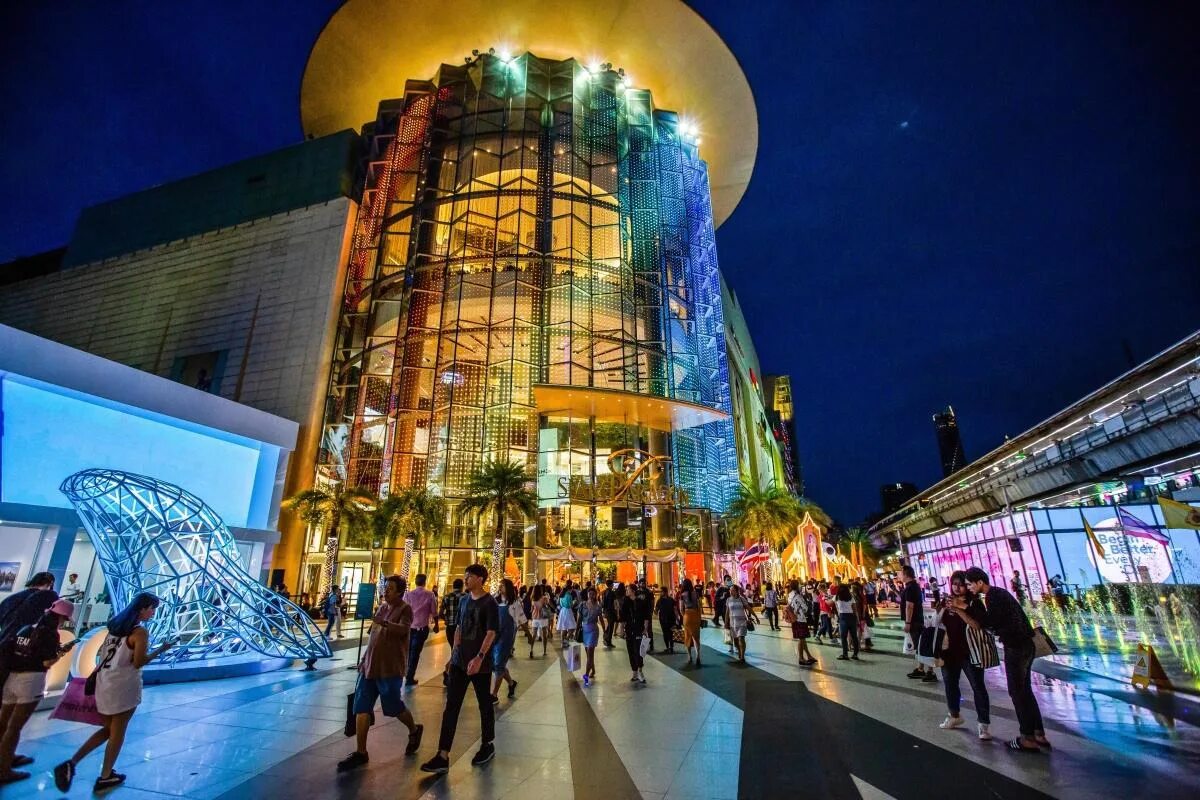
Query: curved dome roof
[{"x": 369, "y": 48}]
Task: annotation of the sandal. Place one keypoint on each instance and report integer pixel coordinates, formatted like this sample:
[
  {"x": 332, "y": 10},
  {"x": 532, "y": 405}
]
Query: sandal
[{"x": 1015, "y": 744}]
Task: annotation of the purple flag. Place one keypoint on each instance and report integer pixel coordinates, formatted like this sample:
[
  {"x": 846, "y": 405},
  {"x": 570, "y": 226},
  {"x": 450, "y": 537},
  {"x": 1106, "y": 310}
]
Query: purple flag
[{"x": 1135, "y": 527}]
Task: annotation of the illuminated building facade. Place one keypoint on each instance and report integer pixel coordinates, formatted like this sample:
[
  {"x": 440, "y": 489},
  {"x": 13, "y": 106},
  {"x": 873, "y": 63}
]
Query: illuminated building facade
[
  {"x": 782, "y": 414},
  {"x": 532, "y": 225}
]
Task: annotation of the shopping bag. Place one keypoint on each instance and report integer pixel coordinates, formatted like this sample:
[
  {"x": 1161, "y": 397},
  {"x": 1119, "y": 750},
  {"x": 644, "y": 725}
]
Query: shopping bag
[
  {"x": 574, "y": 656},
  {"x": 644, "y": 647},
  {"x": 77, "y": 706},
  {"x": 929, "y": 646},
  {"x": 727, "y": 636},
  {"x": 351, "y": 722},
  {"x": 906, "y": 646},
  {"x": 1043, "y": 645},
  {"x": 981, "y": 647}
]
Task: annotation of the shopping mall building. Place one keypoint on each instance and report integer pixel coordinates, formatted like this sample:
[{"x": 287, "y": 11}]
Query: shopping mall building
[{"x": 497, "y": 242}]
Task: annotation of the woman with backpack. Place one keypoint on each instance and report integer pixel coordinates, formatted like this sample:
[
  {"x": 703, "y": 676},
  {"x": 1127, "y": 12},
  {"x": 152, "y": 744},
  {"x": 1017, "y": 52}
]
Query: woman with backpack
[
  {"x": 27, "y": 657},
  {"x": 126, "y": 649}
]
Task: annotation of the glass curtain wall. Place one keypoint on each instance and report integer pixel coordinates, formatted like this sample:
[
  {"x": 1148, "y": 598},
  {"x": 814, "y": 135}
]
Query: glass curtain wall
[{"x": 524, "y": 222}]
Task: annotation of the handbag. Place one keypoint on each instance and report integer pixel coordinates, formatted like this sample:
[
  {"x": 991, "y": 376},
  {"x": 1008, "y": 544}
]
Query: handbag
[
  {"x": 1043, "y": 645},
  {"x": 930, "y": 645},
  {"x": 76, "y": 705},
  {"x": 981, "y": 647},
  {"x": 749, "y": 626},
  {"x": 351, "y": 717},
  {"x": 574, "y": 657}
]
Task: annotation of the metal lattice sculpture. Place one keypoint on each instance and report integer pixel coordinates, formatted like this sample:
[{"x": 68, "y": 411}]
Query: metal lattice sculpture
[{"x": 152, "y": 536}]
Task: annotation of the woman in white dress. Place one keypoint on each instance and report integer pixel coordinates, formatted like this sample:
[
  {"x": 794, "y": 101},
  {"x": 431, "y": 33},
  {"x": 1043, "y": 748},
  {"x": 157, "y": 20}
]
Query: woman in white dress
[
  {"x": 738, "y": 615},
  {"x": 566, "y": 617},
  {"x": 126, "y": 649}
]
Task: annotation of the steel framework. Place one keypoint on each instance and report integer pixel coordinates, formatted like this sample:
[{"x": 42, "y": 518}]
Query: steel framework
[{"x": 152, "y": 536}]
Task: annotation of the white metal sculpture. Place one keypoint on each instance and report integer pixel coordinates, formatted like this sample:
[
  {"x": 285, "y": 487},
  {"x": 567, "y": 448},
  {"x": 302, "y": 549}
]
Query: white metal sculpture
[{"x": 152, "y": 536}]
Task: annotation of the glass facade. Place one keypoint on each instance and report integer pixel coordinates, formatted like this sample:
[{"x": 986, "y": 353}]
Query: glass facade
[
  {"x": 1054, "y": 543},
  {"x": 526, "y": 222}
]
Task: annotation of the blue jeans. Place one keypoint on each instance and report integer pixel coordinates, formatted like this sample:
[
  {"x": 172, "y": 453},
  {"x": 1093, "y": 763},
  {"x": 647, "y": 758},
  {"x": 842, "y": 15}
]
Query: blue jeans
[
  {"x": 848, "y": 623},
  {"x": 951, "y": 674},
  {"x": 416, "y": 643}
]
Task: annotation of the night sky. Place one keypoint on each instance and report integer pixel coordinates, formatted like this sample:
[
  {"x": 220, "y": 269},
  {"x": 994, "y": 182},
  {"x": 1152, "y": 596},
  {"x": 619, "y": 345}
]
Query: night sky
[{"x": 983, "y": 205}]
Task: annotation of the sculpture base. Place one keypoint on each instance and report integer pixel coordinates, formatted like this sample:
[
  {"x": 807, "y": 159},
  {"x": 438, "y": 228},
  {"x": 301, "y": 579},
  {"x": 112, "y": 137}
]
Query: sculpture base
[{"x": 251, "y": 664}]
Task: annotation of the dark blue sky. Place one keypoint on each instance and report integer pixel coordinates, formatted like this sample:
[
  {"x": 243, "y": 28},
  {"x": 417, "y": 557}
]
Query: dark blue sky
[{"x": 1040, "y": 207}]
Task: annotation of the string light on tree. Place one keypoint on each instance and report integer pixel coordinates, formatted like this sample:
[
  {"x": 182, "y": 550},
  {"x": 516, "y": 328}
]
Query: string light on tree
[
  {"x": 408, "y": 551},
  {"x": 497, "y": 562},
  {"x": 331, "y": 553}
]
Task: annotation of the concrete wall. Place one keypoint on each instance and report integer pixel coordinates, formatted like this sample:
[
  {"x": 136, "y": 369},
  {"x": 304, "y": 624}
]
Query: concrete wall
[{"x": 262, "y": 293}]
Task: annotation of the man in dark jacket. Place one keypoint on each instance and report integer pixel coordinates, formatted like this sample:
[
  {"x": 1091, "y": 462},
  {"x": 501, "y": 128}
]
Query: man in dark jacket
[
  {"x": 25, "y": 607},
  {"x": 1007, "y": 620}
]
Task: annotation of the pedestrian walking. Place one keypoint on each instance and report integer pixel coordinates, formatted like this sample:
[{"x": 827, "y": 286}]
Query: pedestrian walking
[
  {"x": 771, "y": 606},
  {"x": 125, "y": 650},
  {"x": 27, "y": 657},
  {"x": 963, "y": 610},
  {"x": 566, "y": 617},
  {"x": 382, "y": 671},
  {"x": 478, "y": 627},
  {"x": 825, "y": 606},
  {"x": 645, "y": 601},
  {"x": 668, "y": 618},
  {"x": 448, "y": 611},
  {"x": 719, "y": 598},
  {"x": 738, "y": 617},
  {"x": 1004, "y": 616},
  {"x": 912, "y": 611},
  {"x": 689, "y": 603},
  {"x": 506, "y": 602},
  {"x": 609, "y": 603},
  {"x": 332, "y": 608},
  {"x": 424, "y": 617},
  {"x": 590, "y": 614},
  {"x": 636, "y": 620},
  {"x": 539, "y": 617},
  {"x": 847, "y": 622},
  {"x": 796, "y": 615}
]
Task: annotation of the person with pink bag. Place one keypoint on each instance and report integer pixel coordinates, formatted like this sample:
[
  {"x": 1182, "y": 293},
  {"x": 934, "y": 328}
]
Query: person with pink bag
[
  {"x": 126, "y": 649},
  {"x": 27, "y": 657}
]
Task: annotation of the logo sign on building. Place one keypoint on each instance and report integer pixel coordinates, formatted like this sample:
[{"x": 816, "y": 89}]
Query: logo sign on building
[{"x": 1133, "y": 553}]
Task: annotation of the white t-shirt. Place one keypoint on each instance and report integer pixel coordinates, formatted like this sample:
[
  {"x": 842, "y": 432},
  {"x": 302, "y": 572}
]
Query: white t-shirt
[{"x": 845, "y": 606}]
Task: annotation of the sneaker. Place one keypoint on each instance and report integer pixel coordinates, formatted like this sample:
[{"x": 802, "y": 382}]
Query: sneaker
[
  {"x": 437, "y": 765},
  {"x": 917, "y": 673},
  {"x": 929, "y": 678},
  {"x": 21, "y": 761},
  {"x": 854, "y": 657},
  {"x": 485, "y": 754},
  {"x": 586, "y": 681},
  {"x": 641, "y": 678},
  {"x": 495, "y": 699},
  {"x": 414, "y": 741},
  {"x": 512, "y": 690},
  {"x": 352, "y": 761},
  {"x": 984, "y": 733},
  {"x": 64, "y": 773},
  {"x": 13, "y": 776},
  {"x": 114, "y": 780},
  {"x": 843, "y": 658},
  {"x": 949, "y": 723},
  {"x": 634, "y": 679}
]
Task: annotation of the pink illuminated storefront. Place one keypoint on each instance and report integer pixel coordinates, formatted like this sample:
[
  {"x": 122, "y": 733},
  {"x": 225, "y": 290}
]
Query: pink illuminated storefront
[{"x": 1000, "y": 546}]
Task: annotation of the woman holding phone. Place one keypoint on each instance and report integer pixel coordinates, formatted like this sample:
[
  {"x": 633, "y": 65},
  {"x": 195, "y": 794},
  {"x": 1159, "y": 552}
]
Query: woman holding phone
[{"x": 126, "y": 649}]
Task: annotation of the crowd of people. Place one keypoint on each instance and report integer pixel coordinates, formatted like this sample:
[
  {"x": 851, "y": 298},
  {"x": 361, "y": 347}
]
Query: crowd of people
[{"x": 482, "y": 629}]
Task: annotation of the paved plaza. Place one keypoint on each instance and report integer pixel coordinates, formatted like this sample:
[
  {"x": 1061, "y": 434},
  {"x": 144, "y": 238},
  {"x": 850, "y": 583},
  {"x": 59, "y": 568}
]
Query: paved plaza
[{"x": 841, "y": 729}]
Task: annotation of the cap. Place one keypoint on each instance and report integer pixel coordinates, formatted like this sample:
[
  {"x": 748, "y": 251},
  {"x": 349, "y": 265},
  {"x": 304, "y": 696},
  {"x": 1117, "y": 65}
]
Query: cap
[{"x": 64, "y": 608}]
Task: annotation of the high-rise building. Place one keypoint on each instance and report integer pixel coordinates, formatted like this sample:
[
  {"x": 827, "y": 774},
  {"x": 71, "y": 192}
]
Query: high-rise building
[
  {"x": 781, "y": 411},
  {"x": 894, "y": 495},
  {"x": 529, "y": 274},
  {"x": 949, "y": 441}
]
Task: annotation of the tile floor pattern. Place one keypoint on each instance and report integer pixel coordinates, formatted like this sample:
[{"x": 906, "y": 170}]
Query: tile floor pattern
[{"x": 680, "y": 736}]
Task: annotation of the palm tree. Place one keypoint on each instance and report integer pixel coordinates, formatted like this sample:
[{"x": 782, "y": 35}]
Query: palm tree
[
  {"x": 412, "y": 514},
  {"x": 502, "y": 489},
  {"x": 338, "y": 509},
  {"x": 860, "y": 539},
  {"x": 769, "y": 513}
]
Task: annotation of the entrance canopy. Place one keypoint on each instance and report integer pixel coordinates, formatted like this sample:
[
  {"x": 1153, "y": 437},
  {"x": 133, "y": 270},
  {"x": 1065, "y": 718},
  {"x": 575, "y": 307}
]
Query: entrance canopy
[
  {"x": 610, "y": 405},
  {"x": 609, "y": 554}
]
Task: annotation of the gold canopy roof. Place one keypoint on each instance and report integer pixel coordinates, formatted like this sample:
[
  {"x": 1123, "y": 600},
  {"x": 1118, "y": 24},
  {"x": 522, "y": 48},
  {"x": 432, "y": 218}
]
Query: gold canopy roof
[{"x": 369, "y": 48}]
